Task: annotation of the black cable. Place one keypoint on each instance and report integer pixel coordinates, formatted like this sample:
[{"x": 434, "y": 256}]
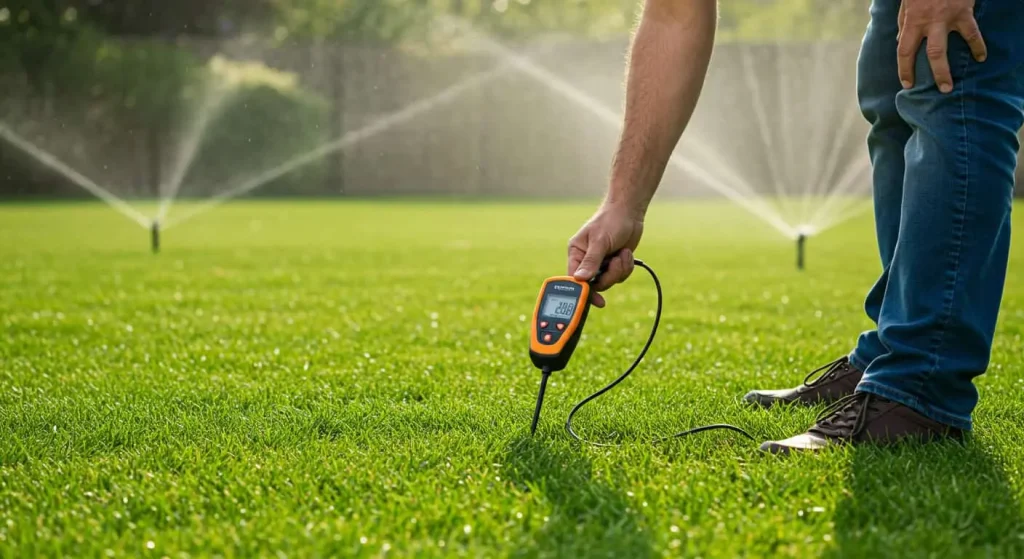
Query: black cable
[{"x": 629, "y": 371}]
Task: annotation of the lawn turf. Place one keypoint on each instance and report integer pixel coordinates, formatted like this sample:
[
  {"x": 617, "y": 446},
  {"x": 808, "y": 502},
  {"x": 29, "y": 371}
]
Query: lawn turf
[{"x": 351, "y": 379}]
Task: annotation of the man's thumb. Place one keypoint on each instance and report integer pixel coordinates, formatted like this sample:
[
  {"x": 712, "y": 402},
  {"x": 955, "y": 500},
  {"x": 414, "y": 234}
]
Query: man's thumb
[{"x": 591, "y": 262}]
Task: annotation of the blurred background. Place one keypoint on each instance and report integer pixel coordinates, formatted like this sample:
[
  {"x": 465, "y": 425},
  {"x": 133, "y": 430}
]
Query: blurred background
[{"x": 208, "y": 100}]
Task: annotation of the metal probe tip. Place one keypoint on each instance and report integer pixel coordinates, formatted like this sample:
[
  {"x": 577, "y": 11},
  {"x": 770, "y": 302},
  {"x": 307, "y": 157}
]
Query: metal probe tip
[{"x": 540, "y": 400}]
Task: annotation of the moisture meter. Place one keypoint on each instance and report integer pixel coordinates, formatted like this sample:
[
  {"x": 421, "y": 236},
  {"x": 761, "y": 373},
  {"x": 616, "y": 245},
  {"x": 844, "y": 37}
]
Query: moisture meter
[{"x": 558, "y": 319}]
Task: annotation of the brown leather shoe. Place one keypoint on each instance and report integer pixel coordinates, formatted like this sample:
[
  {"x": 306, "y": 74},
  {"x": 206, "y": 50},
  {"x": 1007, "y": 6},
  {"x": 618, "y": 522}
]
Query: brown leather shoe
[
  {"x": 837, "y": 380},
  {"x": 865, "y": 417}
]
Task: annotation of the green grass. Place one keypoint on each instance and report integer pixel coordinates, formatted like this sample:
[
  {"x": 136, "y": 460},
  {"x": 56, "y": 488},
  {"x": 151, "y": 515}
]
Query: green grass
[{"x": 329, "y": 379}]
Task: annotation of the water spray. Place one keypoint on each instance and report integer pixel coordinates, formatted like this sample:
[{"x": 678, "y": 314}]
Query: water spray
[
  {"x": 411, "y": 111},
  {"x": 558, "y": 320},
  {"x": 154, "y": 235},
  {"x": 51, "y": 162}
]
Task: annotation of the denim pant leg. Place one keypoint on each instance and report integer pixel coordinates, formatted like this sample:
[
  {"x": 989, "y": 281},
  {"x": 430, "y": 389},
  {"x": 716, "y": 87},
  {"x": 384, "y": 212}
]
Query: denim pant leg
[
  {"x": 945, "y": 283},
  {"x": 878, "y": 83}
]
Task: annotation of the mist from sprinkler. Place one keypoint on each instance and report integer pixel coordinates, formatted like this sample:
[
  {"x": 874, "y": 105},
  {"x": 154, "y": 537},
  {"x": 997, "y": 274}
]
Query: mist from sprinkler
[
  {"x": 50, "y": 161},
  {"x": 700, "y": 161},
  {"x": 382, "y": 124},
  {"x": 214, "y": 101}
]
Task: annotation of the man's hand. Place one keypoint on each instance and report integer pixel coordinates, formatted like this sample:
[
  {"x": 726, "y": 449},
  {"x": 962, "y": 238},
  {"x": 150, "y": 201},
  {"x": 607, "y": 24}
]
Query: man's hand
[
  {"x": 613, "y": 229},
  {"x": 935, "y": 20}
]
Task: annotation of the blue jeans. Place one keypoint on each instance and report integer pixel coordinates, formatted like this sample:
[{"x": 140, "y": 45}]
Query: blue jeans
[{"x": 943, "y": 171}]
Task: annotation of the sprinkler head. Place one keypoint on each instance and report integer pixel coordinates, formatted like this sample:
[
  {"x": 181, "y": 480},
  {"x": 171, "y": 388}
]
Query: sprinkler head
[
  {"x": 802, "y": 232},
  {"x": 154, "y": 234},
  {"x": 801, "y": 241}
]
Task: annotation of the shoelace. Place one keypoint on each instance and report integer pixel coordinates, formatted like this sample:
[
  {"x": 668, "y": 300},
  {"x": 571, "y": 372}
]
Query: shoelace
[
  {"x": 830, "y": 372},
  {"x": 845, "y": 417}
]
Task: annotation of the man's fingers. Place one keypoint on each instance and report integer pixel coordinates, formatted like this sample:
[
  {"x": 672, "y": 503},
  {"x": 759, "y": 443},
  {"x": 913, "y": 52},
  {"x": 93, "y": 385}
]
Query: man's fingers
[
  {"x": 619, "y": 269},
  {"x": 597, "y": 300},
  {"x": 968, "y": 29},
  {"x": 906, "y": 52},
  {"x": 576, "y": 255},
  {"x": 901, "y": 20},
  {"x": 938, "y": 57},
  {"x": 591, "y": 263},
  {"x": 627, "y": 264}
]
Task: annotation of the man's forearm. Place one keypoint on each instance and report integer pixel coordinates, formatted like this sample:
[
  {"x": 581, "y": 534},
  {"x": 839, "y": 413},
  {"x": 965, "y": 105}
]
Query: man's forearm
[{"x": 668, "y": 62}]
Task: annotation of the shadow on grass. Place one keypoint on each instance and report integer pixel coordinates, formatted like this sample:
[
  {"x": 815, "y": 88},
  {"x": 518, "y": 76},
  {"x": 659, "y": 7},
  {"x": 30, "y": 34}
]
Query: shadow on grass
[
  {"x": 587, "y": 518},
  {"x": 946, "y": 500}
]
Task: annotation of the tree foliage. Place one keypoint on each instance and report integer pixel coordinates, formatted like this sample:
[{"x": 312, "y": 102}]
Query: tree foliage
[{"x": 792, "y": 20}]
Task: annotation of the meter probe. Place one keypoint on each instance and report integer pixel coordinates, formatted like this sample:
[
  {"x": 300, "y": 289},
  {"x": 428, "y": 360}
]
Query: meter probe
[{"x": 558, "y": 319}]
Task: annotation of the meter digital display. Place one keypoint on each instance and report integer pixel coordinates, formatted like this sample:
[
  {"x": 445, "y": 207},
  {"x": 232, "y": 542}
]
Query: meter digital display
[{"x": 557, "y": 306}]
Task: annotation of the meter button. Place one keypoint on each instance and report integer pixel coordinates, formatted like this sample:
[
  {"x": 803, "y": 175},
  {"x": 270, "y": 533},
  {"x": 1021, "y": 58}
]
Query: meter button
[
  {"x": 547, "y": 338},
  {"x": 560, "y": 326},
  {"x": 543, "y": 324}
]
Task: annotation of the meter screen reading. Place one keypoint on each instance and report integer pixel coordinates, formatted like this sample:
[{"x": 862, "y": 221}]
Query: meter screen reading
[{"x": 559, "y": 307}]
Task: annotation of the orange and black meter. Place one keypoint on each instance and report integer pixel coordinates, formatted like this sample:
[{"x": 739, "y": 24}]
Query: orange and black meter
[{"x": 558, "y": 319}]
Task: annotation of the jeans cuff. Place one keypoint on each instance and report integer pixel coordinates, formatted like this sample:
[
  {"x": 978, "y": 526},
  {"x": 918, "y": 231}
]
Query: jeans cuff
[
  {"x": 857, "y": 362},
  {"x": 915, "y": 403}
]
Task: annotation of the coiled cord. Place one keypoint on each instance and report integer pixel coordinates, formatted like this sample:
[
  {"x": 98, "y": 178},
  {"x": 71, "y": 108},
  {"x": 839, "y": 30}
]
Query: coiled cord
[{"x": 629, "y": 371}]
